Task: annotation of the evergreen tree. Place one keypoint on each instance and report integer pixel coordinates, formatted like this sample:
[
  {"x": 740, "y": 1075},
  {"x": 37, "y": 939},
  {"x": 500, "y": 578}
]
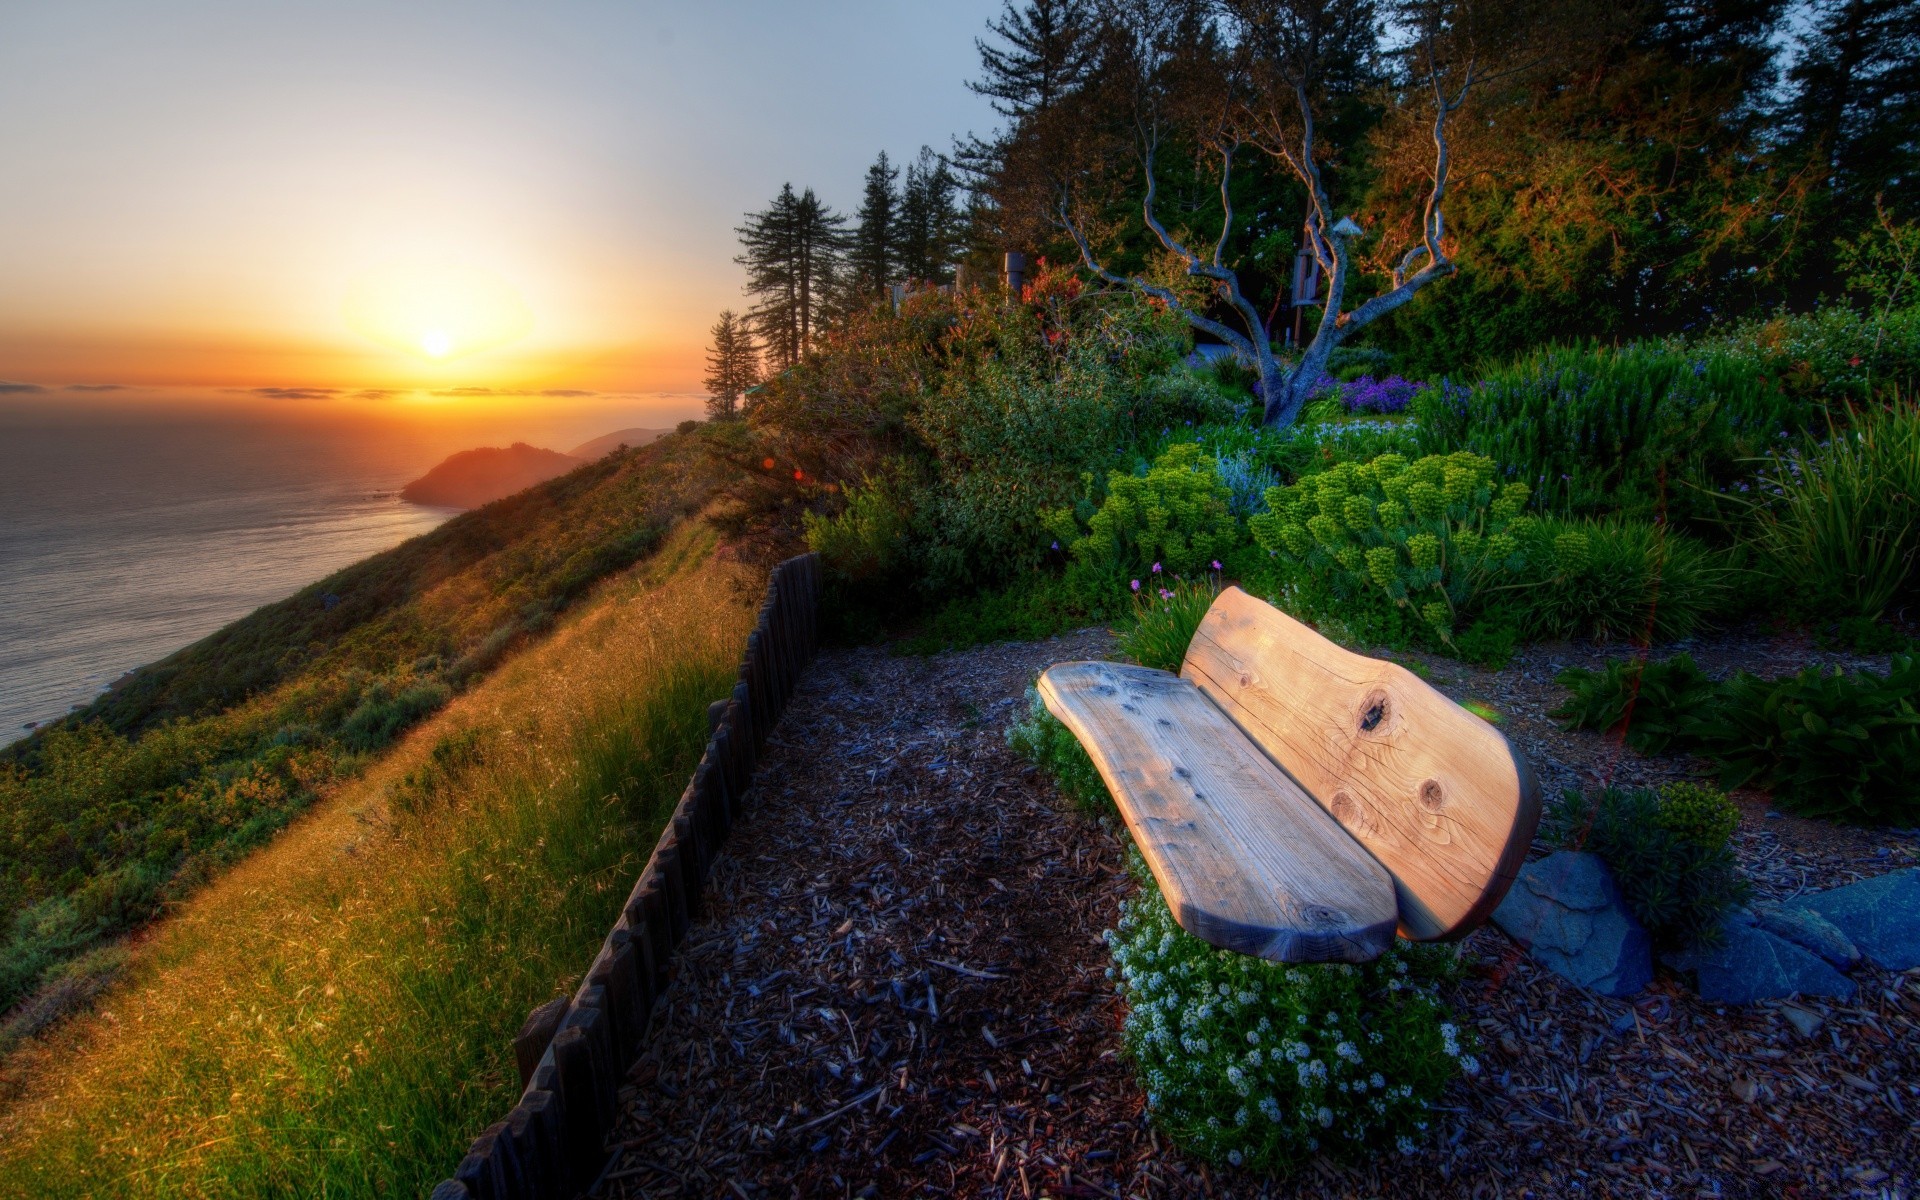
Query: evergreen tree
[
  {"x": 792, "y": 254},
  {"x": 1854, "y": 106},
  {"x": 733, "y": 365},
  {"x": 874, "y": 258},
  {"x": 1047, "y": 51},
  {"x": 931, "y": 226}
]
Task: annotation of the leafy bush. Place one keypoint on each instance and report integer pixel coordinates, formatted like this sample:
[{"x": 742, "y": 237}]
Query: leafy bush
[
  {"x": 1667, "y": 849},
  {"x": 1598, "y": 431},
  {"x": 1164, "y": 621},
  {"x": 1369, "y": 395},
  {"x": 1612, "y": 579},
  {"x": 1034, "y": 607},
  {"x": 1043, "y": 740},
  {"x": 1264, "y": 1064},
  {"x": 387, "y": 708},
  {"x": 1833, "y": 351},
  {"x": 1653, "y": 704},
  {"x": 1175, "y": 519},
  {"x": 1827, "y": 744},
  {"x": 1843, "y": 517},
  {"x": 1427, "y": 536}
]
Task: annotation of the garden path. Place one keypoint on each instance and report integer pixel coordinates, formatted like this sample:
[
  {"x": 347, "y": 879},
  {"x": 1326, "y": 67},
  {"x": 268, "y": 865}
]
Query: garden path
[{"x": 898, "y": 989}]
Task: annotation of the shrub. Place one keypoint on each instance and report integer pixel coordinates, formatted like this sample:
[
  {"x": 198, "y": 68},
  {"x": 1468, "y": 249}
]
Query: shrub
[
  {"x": 1598, "y": 431},
  {"x": 1653, "y": 704},
  {"x": 1843, "y": 517},
  {"x": 387, "y": 708},
  {"x": 1613, "y": 579},
  {"x": 1427, "y": 535},
  {"x": 1034, "y": 607},
  {"x": 1043, "y": 740},
  {"x": 1173, "y": 520},
  {"x": 1827, "y": 744},
  {"x": 1833, "y": 351},
  {"x": 1369, "y": 395},
  {"x": 1265, "y": 1064},
  {"x": 1164, "y": 621},
  {"x": 865, "y": 543},
  {"x": 1667, "y": 849}
]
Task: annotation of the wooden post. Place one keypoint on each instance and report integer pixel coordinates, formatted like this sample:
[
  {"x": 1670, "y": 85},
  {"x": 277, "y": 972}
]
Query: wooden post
[
  {"x": 647, "y": 924},
  {"x": 582, "y": 1137},
  {"x": 667, "y": 856},
  {"x": 538, "y": 1029},
  {"x": 589, "y": 1016},
  {"x": 550, "y": 1174},
  {"x": 694, "y": 857},
  {"x": 745, "y": 730},
  {"x": 450, "y": 1189}
]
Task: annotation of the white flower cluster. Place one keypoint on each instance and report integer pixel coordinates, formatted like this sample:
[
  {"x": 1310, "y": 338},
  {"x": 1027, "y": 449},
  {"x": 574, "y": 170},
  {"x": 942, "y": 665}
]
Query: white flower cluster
[{"x": 1248, "y": 1061}]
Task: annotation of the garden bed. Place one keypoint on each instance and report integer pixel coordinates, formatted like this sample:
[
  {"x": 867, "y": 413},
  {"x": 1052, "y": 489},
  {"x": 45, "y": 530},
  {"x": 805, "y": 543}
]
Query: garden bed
[{"x": 899, "y": 987}]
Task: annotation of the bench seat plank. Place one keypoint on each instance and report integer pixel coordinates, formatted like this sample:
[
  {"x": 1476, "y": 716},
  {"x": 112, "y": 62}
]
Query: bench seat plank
[
  {"x": 1432, "y": 791},
  {"x": 1247, "y": 861}
]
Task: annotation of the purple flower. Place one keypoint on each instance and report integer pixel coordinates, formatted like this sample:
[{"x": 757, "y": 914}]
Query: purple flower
[
  {"x": 1156, "y": 568},
  {"x": 1216, "y": 564},
  {"x": 1136, "y": 585},
  {"x": 1056, "y": 545},
  {"x": 1165, "y": 594}
]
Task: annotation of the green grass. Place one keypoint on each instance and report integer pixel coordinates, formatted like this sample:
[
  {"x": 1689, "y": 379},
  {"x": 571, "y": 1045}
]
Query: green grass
[
  {"x": 168, "y": 780},
  {"x": 335, "y": 1015}
]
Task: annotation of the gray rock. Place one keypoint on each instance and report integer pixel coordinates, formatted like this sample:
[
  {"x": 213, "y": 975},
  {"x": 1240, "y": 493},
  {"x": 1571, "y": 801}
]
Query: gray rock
[
  {"x": 1881, "y": 916},
  {"x": 1569, "y": 915},
  {"x": 1808, "y": 930},
  {"x": 1751, "y": 964},
  {"x": 1805, "y": 1023}
]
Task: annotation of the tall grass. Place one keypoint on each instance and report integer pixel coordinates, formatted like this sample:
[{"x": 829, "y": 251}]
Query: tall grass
[
  {"x": 1844, "y": 517},
  {"x": 334, "y": 1016}
]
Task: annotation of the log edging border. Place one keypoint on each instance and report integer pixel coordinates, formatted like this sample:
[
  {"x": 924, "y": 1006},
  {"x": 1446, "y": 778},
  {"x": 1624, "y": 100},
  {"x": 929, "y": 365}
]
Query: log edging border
[{"x": 574, "y": 1051}]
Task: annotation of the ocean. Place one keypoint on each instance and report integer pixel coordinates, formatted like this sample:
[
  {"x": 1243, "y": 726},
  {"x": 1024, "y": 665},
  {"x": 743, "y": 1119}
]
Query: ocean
[{"x": 125, "y": 535}]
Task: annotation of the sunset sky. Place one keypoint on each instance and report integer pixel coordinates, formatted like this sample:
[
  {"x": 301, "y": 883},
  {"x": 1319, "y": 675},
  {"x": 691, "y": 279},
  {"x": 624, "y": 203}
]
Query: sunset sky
[{"x": 526, "y": 197}]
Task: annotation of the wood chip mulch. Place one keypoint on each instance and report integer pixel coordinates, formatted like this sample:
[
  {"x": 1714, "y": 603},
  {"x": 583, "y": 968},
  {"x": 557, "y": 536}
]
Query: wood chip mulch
[{"x": 897, "y": 989}]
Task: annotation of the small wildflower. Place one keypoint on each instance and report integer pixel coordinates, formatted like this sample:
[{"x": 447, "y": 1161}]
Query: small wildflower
[{"x": 1136, "y": 585}]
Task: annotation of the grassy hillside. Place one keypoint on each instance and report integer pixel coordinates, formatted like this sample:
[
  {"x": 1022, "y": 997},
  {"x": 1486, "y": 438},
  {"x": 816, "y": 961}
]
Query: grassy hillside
[
  {"x": 195, "y": 760},
  {"x": 334, "y": 1016}
]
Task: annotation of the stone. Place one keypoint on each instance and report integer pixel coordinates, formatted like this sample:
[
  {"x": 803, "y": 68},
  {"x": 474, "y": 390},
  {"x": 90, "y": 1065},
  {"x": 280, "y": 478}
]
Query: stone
[
  {"x": 1751, "y": 964},
  {"x": 1805, "y": 1023},
  {"x": 1881, "y": 916},
  {"x": 1808, "y": 930},
  {"x": 1566, "y": 911}
]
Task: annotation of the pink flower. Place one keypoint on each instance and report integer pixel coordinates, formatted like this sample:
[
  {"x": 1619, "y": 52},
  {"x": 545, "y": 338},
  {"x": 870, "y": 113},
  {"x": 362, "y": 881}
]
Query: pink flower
[
  {"x": 1165, "y": 594},
  {"x": 1136, "y": 585}
]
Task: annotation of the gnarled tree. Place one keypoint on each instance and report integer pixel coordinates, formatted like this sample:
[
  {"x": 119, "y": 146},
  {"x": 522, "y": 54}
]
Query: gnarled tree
[{"x": 1254, "y": 79}]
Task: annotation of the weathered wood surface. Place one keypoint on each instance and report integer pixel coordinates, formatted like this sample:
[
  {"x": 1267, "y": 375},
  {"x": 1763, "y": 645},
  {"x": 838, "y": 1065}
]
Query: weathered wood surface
[
  {"x": 1436, "y": 794},
  {"x": 1245, "y": 859}
]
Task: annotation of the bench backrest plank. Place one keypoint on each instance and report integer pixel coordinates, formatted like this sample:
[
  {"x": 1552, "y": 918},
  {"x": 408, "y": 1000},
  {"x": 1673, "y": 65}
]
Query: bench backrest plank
[
  {"x": 1433, "y": 792},
  {"x": 1243, "y": 857}
]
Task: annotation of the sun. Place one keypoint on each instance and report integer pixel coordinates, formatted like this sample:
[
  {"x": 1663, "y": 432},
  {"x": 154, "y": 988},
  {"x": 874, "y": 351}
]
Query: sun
[{"x": 437, "y": 311}]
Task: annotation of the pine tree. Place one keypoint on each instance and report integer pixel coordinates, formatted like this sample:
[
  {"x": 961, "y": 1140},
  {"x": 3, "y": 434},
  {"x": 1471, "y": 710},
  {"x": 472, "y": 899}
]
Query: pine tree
[
  {"x": 875, "y": 252},
  {"x": 1855, "y": 105},
  {"x": 733, "y": 365},
  {"x": 1048, "y": 51},
  {"x": 792, "y": 255},
  {"x": 931, "y": 225}
]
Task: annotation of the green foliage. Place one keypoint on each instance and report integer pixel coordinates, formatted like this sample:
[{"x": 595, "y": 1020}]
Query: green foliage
[
  {"x": 1612, "y": 579},
  {"x": 1843, "y": 517},
  {"x": 1841, "y": 746},
  {"x": 1164, "y": 621},
  {"x": 1638, "y": 430},
  {"x": 1264, "y": 1064},
  {"x": 865, "y": 543},
  {"x": 1041, "y": 739},
  {"x": 1653, "y": 703},
  {"x": 1427, "y": 536},
  {"x": 1826, "y": 743},
  {"x": 1667, "y": 849},
  {"x": 1488, "y": 642},
  {"x": 1173, "y": 520},
  {"x": 199, "y": 758},
  {"x": 1029, "y": 609},
  {"x": 431, "y": 783}
]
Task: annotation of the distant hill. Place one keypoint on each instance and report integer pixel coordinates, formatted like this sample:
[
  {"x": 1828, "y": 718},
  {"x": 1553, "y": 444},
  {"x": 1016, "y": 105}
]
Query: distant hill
[
  {"x": 472, "y": 478},
  {"x": 600, "y": 447}
]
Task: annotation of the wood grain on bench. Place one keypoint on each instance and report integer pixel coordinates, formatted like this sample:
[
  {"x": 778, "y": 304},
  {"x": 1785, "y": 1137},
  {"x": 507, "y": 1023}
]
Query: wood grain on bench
[
  {"x": 1434, "y": 792},
  {"x": 1245, "y": 859}
]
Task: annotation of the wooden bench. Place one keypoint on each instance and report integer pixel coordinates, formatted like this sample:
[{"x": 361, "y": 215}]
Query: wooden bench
[{"x": 1298, "y": 801}]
